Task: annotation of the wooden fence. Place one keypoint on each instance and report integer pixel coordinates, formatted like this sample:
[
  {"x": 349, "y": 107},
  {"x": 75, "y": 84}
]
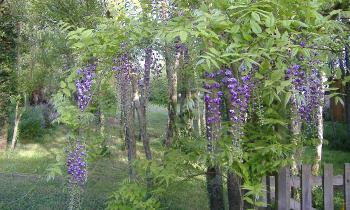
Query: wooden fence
[{"x": 279, "y": 187}]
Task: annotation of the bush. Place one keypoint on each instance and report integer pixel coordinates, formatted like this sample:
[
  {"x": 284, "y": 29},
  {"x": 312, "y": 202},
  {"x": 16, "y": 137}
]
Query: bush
[
  {"x": 32, "y": 123},
  {"x": 159, "y": 91},
  {"x": 337, "y": 138},
  {"x": 132, "y": 196},
  {"x": 317, "y": 194}
]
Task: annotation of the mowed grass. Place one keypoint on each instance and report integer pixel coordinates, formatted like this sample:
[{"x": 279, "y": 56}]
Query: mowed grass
[
  {"x": 23, "y": 173},
  {"x": 23, "y": 184}
]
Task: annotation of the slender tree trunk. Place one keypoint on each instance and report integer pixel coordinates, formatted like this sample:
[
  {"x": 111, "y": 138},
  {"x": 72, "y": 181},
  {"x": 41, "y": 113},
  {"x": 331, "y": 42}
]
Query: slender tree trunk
[
  {"x": 124, "y": 78},
  {"x": 197, "y": 124},
  {"x": 346, "y": 68},
  {"x": 141, "y": 113},
  {"x": 214, "y": 176},
  {"x": 102, "y": 124},
  {"x": 347, "y": 109},
  {"x": 18, "y": 116},
  {"x": 295, "y": 129},
  {"x": 235, "y": 195},
  {"x": 3, "y": 135},
  {"x": 234, "y": 182},
  {"x": 334, "y": 134},
  {"x": 186, "y": 115},
  {"x": 215, "y": 189},
  {"x": 130, "y": 139},
  {"x": 318, "y": 155},
  {"x": 172, "y": 93}
]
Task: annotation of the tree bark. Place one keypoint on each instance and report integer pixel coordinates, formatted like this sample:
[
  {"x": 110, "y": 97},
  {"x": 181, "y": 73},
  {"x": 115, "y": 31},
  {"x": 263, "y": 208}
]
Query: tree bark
[
  {"x": 197, "y": 124},
  {"x": 18, "y": 116},
  {"x": 172, "y": 93},
  {"x": 130, "y": 138},
  {"x": 141, "y": 113},
  {"x": 124, "y": 78},
  {"x": 318, "y": 155},
  {"x": 214, "y": 177},
  {"x": 295, "y": 130},
  {"x": 346, "y": 68},
  {"x": 3, "y": 135},
  {"x": 144, "y": 103},
  {"x": 215, "y": 189},
  {"x": 235, "y": 201}
]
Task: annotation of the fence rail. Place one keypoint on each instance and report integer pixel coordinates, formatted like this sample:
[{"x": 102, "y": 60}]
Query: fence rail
[{"x": 279, "y": 188}]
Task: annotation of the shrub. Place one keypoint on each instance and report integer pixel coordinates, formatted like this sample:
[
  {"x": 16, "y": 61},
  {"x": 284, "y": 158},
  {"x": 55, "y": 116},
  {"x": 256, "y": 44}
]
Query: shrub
[
  {"x": 336, "y": 135},
  {"x": 32, "y": 123},
  {"x": 159, "y": 91},
  {"x": 132, "y": 196}
]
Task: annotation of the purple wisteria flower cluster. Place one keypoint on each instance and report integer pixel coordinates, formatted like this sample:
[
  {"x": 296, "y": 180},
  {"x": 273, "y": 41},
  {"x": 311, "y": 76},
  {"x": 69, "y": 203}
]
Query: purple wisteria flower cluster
[
  {"x": 308, "y": 94},
  {"x": 155, "y": 63},
  {"x": 77, "y": 165},
  {"x": 84, "y": 85},
  {"x": 238, "y": 93}
]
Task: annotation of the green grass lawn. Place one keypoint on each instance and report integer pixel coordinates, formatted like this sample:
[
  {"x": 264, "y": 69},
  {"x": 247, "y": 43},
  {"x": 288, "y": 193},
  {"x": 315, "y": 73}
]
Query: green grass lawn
[{"x": 23, "y": 184}]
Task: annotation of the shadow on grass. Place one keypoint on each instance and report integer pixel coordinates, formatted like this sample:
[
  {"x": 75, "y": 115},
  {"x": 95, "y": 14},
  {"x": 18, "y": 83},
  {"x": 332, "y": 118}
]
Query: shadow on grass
[{"x": 31, "y": 192}]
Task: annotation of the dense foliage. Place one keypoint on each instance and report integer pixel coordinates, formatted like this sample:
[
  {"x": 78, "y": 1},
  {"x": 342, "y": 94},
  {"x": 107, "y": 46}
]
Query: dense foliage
[{"x": 244, "y": 83}]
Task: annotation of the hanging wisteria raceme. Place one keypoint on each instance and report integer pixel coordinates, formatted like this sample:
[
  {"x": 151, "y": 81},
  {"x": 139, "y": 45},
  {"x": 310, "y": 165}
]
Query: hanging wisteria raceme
[
  {"x": 76, "y": 164},
  {"x": 307, "y": 91},
  {"x": 156, "y": 64},
  {"x": 238, "y": 91},
  {"x": 212, "y": 100},
  {"x": 84, "y": 85}
]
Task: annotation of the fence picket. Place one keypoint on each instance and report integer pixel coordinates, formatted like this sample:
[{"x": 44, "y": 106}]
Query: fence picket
[
  {"x": 268, "y": 193},
  {"x": 280, "y": 186},
  {"x": 306, "y": 187},
  {"x": 347, "y": 186},
  {"x": 328, "y": 187},
  {"x": 283, "y": 189}
]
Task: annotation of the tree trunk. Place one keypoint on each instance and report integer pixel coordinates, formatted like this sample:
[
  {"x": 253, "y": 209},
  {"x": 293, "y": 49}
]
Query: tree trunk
[
  {"x": 347, "y": 109},
  {"x": 3, "y": 135},
  {"x": 345, "y": 69},
  {"x": 197, "y": 124},
  {"x": 172, "y": 93},
  {"x": 235, "y": 201},
  {"x": 318, "y": 155},
  {"x": 124, "y": 77},
  {"x": 130, "y": 139},
  {"x": 18, "y": 116},
  {"x": 295, "y": 129},
  {"x": 141, "y": 113},
  {"x": 144, "y": 102},
  {"x": 215, "y": 189},
  {"x": 214, "y": 177}
]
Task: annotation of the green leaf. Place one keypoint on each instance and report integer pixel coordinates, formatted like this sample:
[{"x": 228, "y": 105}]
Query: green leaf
[
  {"x": 338, "y": 99},
  {"x": 183, "y": 36},
  {"x": 255, "y": 27},
  {"x": 270, "y": 21},
  {"x": 299, "y": 23},
  {"x": 276, "y": 75},
  {"x": 259, "y": 76},
  {"x": 247, "y": 36},
  {"x": 86, "y": 34},
  {"x": 235, "y": 29},
  {"x": 63, "y": 84},
  {"x": 66, "y": 92},
  {"x": 71, "y": 86},
  {"x": 256, "y": 16},
  {"x": 287, "y": 98},
  {"x": 78, "y": 45}
]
